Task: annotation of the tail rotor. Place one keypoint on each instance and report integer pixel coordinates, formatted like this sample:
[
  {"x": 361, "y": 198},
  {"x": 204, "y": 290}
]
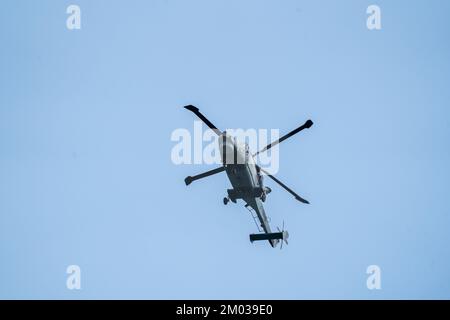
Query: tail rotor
[{"x": 285, "y": 235}]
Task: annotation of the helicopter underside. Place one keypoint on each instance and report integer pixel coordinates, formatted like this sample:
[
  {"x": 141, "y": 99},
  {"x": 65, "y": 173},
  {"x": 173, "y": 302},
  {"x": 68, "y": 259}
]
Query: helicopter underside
[{"x": 246, "y": 187}]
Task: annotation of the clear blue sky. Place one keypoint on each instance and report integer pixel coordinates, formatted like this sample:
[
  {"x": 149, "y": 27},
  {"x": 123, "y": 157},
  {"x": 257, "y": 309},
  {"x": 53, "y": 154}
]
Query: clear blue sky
[{"x": 85, "y": 170}]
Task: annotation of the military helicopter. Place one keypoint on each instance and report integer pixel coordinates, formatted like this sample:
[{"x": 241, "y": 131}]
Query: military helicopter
[{"x": 247, "y": 179}]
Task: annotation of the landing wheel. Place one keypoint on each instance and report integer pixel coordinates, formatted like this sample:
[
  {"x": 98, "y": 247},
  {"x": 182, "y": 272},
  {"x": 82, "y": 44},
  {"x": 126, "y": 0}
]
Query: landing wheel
[
  {"x": 263, "y": 197},
  {"x": 225, "y": 200}
]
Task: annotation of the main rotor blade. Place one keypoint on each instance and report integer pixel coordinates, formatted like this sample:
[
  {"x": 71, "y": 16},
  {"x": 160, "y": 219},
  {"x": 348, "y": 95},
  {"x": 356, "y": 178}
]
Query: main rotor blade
[
  {"x": 203, "y": 118},
  {"x": 306, "y": 125},
  {"x": 189, "y": 179},
  {"x": 284, "y": 186}
]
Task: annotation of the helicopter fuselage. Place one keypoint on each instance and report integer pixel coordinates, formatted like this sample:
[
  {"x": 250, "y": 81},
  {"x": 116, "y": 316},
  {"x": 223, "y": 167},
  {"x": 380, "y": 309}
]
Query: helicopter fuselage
[{"x": 246, "y": 179}]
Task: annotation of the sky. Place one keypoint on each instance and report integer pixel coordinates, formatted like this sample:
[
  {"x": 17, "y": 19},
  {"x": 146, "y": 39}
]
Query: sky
[{"x": 86, "y": 176}]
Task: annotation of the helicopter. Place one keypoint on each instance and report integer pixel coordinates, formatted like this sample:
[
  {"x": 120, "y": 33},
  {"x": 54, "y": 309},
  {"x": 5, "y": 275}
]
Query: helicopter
[{"x": 246, "y": 178}]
